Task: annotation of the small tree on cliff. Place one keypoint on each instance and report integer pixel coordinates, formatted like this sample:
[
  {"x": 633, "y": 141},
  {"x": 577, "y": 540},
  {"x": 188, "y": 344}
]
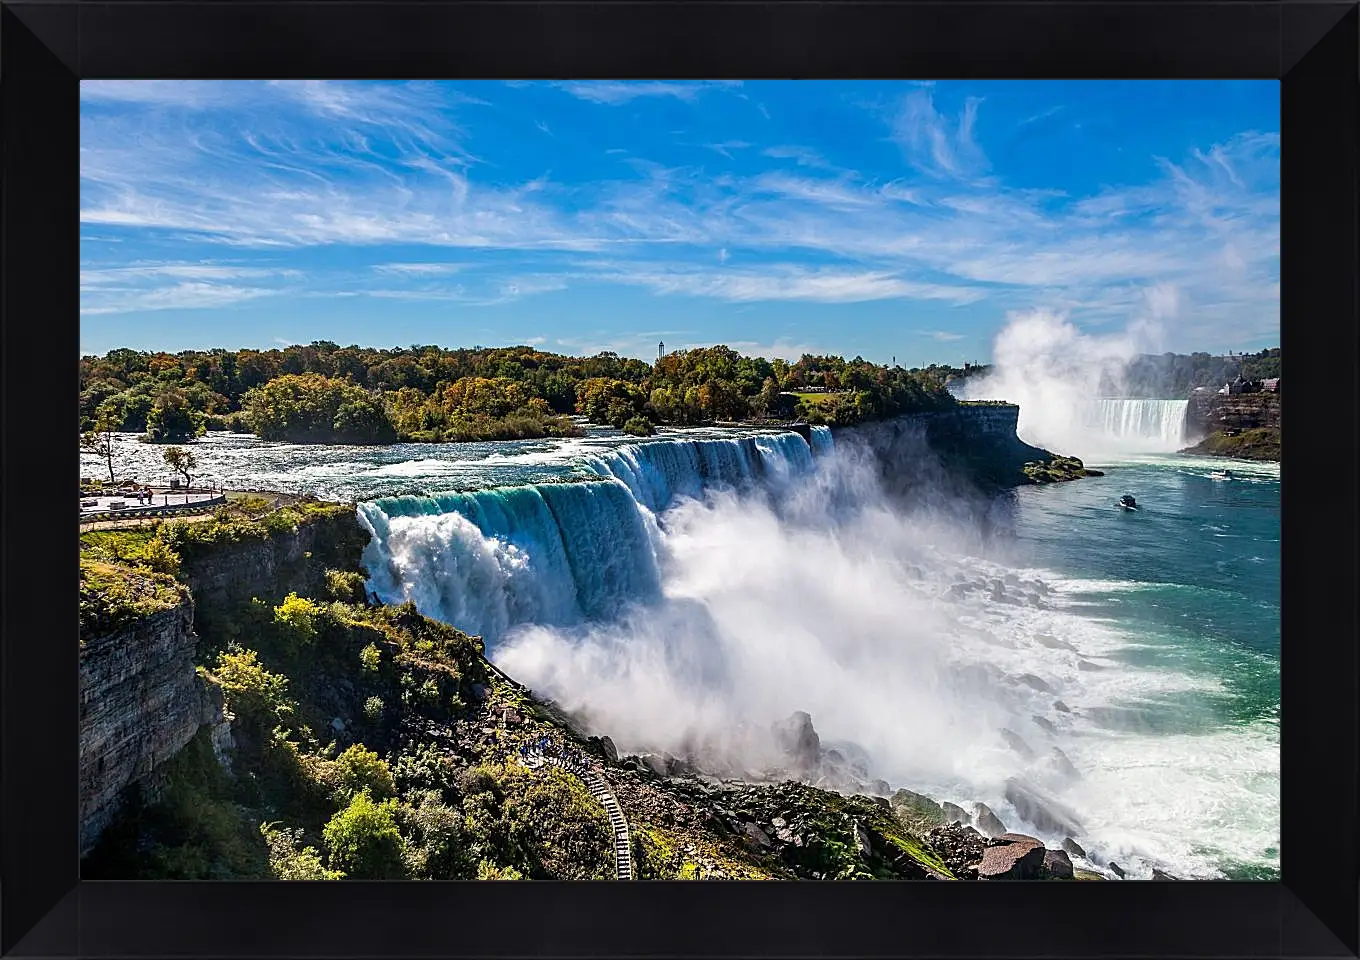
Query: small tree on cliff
[
  {"x": 99, "y": 439},
  {"x": 182, "y": 462}
]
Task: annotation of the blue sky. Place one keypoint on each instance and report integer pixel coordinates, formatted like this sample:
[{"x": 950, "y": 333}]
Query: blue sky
[{"x": 886, "y": 219}]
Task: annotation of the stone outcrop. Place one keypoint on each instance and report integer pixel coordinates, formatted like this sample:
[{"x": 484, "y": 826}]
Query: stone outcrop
[
  {"x": 1044, "y": 813},
  {"x": 798, "y": 741},
  {"x": 975, "y": 442},
  {"x": 987, "y": 822},
  {"x": 1012, "y": 856},
  {"x": 290, "y": 562},
  {"x": 141, "y": 701},
  {"x": 1244, "y": 411}
]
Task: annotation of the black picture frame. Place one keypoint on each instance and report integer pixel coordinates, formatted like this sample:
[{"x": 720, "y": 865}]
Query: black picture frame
[{"x": 46, "y": 46}]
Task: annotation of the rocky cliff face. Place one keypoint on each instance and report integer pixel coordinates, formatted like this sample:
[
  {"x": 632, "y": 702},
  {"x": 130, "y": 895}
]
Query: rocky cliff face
[
  {"x": 969, "y": 449},
  {"x": 140, "y": 703},
  {"x": 224, "y": 575},
  {"x": 141, "y": 699},
  {"x": 1245, "y": 411}
]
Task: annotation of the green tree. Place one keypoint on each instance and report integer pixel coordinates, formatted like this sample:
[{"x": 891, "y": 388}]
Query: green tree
[
  {"x": 364, "y": 842},
  {"x": 99, "y": 439},
  {"x": 182, "y": 462},
  {"x": 172, "y": 419}
]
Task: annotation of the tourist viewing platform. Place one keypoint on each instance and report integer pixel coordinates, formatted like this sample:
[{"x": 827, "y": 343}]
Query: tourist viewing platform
[{"x": 147, "y": 501}]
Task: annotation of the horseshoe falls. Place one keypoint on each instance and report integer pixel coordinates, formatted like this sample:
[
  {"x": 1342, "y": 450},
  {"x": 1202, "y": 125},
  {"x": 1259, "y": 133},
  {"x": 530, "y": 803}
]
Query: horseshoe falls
[{"x": 1144, "y": 426}]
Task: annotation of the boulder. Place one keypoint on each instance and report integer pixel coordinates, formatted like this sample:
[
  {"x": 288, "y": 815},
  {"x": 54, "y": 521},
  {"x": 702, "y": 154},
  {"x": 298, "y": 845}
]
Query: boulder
[
  {"x": 1088, "y": 666},
  {"x": 1057, "y": 865},
  {"x": 1117, "y": 870},
  {"x": 797, "y": 739},
  {"x": 1161, "y": 875},
  {"x": 1034, "y": 683},
  {"x": 1061, "y": 707},
  {"x": 1044, "y": 724},
  {"x": 611, "y": 752},
  {"x": 755, "y": 836},
  {"x": 862, "y": 843},
  {"x": 960, "y": 848},
  {"x": 1060, "y": 762},
  {"x": 953, "y": 813},
  {"x": 1017, "y": 743},
  {"x": 988, "y": 823},
  {"x": 1045, "y": 813},
  {"x": 916, "y": 810},
  {"x": 1074, "y": 848},
  {"x": 653, "y": 763},
  {"x": 1012, "y": 856}
]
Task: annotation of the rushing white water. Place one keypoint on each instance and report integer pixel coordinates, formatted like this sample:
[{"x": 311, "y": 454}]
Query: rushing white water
[
  {"x": 1135, "y": 425},
  {"x": 701, "y": 589}
]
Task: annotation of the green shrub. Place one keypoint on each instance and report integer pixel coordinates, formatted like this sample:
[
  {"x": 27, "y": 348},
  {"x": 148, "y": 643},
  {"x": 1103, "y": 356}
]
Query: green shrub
[
  {"x": 296, "y": 619},
  {"x": 371, "y": 657},
  {"x": 639, "y": 426},
  {"x": 543, "y": 823},
  {"x": 252, "y": 693},
  {"x": 360, "y": 770},
  {"x": 112, "y": 596},
  {"x": 288, "y": 862},
  {"x": 437, "y": 846},
  {"x": 363, "y": 840},
  {"x": 345, "y": 586},
  {"x": 486, "y": 870},
  {"x": 373, "y": 709}
]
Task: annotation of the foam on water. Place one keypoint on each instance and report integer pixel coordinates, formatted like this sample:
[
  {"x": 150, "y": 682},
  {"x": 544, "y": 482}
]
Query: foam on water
[{"x": 701, "y": 587}]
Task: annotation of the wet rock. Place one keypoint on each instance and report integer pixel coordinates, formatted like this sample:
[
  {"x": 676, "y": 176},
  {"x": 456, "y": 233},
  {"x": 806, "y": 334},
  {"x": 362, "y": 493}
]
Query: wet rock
[
  {"x": 953, "y": 813},
  {"x": 1117, "y": 870},
  {"x": 1045, "y": 813},
  {"x": 611, "y": 752},
  {"x": 1034, "y": 683},
  {"x": 653, "y": 763},
  {"x": 988, "y": 823},
  {"x": 862, "y": 843},
  {"x": 1074, "y": 848},
  {"x": 880, "y": 788},
  {"x": 1088, "y": 666},
  {"x": 1057, "y": 865},
  {"x": 960, "y": 848},
  {"x": 1012, "y": 856},
  {"x": 1059, "y": 761},
  {"x": 1061, "y": 707},
  {"x": 756, "y": 836},
  {"x": 1086, "y": 875},
  {"x": 1053, "y": 643},
  {"x": 337, "y": 725},
  {"x": 1017, "y": 743},
  {"x": 798, "y": 740},
  {"x": 916, "y": 810},
  {"x": 1044, "y": 724},
  {"x": 1161, "y": 875}
]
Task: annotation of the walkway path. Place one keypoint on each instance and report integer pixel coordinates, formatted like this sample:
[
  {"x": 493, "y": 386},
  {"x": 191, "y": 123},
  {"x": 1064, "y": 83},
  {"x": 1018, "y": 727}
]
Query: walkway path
[{"x": 599, "y": 789}]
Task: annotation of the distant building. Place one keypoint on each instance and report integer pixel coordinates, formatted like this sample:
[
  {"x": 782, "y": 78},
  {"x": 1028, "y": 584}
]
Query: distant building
[
  {"x": 1272, "y": 385},
  {"x": 660, "y": 349}
]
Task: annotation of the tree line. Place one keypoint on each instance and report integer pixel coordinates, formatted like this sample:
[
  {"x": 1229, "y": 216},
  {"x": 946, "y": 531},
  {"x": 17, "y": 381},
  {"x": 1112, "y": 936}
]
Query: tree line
[{"x": 323, "y": 392}]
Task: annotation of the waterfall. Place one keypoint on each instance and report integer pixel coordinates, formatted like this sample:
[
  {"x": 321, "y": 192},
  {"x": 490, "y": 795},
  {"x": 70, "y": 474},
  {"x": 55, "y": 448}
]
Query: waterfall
[
  {"x": 559, "y": 553},
  {"x": 1144, "y": 425}
]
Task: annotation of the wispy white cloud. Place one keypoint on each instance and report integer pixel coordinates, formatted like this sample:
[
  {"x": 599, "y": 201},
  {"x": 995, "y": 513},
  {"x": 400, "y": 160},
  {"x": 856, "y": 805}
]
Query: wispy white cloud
[
  {"x": 614, "y": 92},
  {"x": 935, "y": 144},
  {"x": 370, "y": 166},
  {"x": 419, "y": 269}
]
